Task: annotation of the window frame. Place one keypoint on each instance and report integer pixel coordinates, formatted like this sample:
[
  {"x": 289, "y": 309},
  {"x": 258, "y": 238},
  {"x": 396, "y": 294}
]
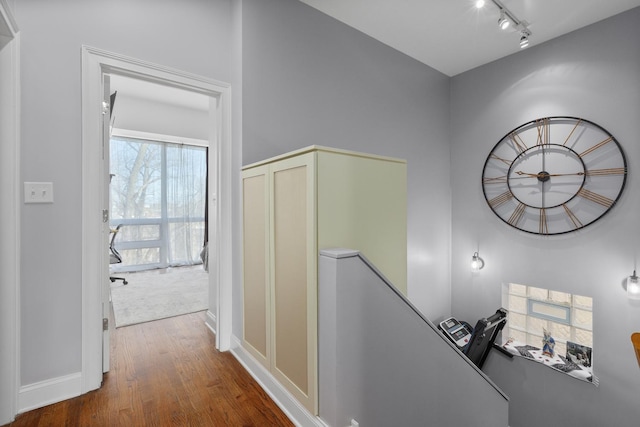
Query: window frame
[
  {"x": 575, "y": 327},
  {"x": 164, "y": 221}
]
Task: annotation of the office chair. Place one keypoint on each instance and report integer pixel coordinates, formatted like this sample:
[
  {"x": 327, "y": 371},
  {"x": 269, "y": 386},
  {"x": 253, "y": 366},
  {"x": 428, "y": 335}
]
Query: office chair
[{"x": 114, "y": 255}]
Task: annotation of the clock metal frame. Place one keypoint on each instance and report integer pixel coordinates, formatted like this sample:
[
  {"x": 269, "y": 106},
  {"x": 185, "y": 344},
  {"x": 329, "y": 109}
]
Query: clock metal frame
[{"x": 554, "y": 175}]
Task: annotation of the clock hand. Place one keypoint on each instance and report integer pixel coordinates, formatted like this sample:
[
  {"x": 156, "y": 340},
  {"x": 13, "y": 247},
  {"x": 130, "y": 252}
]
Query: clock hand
[
  {"x": 532, "y": 175},
  {"x": 538, "y": 175},
  {"x": 566, "y": 174}
]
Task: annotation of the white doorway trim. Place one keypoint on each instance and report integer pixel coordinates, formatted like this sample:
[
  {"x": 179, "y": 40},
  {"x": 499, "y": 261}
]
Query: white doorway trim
[
  {"x": 9, "y": 214},
  {"x": 96, "y": 63}
]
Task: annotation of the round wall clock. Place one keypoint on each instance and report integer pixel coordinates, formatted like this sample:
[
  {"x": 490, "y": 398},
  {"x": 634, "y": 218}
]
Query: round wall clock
[{"x": 554, "y": 175}]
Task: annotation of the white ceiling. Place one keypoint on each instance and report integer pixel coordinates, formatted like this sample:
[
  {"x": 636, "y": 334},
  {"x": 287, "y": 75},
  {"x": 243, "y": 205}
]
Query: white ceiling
[{"x": 453, "y": 36}]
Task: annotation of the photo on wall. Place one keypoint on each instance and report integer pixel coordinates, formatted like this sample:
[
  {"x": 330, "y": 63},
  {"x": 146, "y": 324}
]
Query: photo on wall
[{"x": 579, "y": 354}]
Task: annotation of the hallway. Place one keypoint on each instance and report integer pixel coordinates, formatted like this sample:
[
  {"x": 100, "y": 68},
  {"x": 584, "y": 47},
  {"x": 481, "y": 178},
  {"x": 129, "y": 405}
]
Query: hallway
[{"x": 166, "y": 373}]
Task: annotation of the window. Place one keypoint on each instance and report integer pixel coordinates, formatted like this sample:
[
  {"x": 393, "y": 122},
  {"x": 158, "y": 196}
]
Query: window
[
  {"x": 532, "y": 310},
  {"x": 158, "y": 194}
]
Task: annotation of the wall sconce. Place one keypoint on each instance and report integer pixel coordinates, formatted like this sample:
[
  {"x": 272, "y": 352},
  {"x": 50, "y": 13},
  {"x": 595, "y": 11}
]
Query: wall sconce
[
  {"x": 477, "y": 263},
  {"x": 633, "y": 286}
]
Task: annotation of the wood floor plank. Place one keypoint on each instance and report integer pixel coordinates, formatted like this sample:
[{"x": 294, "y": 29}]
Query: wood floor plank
[{"x": 166, "y": 373}]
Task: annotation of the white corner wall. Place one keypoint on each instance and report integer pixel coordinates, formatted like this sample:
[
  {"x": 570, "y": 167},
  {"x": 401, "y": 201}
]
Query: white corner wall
[{"x": 591, "y": 73}]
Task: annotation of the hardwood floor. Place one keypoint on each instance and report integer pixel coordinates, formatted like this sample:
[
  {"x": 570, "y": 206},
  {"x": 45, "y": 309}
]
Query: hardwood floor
[{"x": 166, "y": 373}]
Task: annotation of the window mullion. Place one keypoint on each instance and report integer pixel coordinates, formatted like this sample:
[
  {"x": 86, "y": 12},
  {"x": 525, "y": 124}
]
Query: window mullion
[{"x": 164, "y": 222}]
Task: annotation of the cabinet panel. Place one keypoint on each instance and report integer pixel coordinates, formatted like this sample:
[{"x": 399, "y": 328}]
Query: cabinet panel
[
  {"x": 290, "y": 273},
  {"x": 255, "y": 267},
  {"x": 362, "y": 205}
]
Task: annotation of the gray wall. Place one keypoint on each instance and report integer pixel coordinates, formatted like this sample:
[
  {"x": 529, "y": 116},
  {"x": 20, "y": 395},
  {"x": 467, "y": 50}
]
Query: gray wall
[
  {"x": 193, "y": 35},
  {"x": 382, "y": 364},
  {"x": 592, "y": 73},
  {"x": 309, "y": 79}
]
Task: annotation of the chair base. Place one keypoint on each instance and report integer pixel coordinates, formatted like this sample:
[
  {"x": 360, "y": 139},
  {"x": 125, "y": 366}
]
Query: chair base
[{"x": 113, "y": 279}]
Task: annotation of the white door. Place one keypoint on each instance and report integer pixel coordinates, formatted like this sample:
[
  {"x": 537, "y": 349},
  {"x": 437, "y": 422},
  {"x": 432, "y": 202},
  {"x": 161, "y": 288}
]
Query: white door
[{"x": 106, "y": 290}]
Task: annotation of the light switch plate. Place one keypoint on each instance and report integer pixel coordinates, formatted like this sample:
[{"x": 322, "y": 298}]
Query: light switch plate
[{"x": 38, "y": 192}]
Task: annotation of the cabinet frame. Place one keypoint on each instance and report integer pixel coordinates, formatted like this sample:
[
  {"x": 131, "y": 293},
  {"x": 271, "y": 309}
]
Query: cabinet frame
[{"x": 364, "y": 208}]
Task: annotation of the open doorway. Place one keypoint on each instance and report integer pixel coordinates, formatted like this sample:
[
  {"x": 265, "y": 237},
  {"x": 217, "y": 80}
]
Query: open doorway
[
  {"x": 158, "y": 185},
  {"x": 97, "y": 68}
]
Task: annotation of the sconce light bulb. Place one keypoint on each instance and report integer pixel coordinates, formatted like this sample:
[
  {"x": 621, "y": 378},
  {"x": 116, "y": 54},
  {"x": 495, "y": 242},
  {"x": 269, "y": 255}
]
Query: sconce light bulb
[
  {"x": 633, "y": 286},
  {"x": 476, "y": 262}
]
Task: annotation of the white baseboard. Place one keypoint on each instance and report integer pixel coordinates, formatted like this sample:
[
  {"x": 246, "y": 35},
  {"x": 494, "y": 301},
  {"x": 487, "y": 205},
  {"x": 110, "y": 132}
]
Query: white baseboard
[
  {"x": 45, "y": 393},
  {"x": 211, "y": 322},
  {"x": 297, "y": 413}
]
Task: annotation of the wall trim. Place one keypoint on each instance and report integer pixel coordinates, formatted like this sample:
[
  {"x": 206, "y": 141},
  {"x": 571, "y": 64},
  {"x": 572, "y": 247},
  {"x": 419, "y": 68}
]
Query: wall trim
[
  {"x": 44, "y": 393},
  {"x": 285, "y": 400},
  {"x": 97, "y": 63},
  {"x": 9, "y": 214},
  {"x": 210, "y": 322}
]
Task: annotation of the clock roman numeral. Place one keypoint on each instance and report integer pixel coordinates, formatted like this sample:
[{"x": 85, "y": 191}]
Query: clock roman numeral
[
  {"x": 572, "y": 130},
  {"x": 505, "y": 161},
  {"x": 543, "y": 228},
  {"x": 544, "y": 137},
  {"x": 595, "y": 197},
  {"x": 574, "y": 219},
  {"x": 516, "y": 216},
  {"x": 495, "y": 180},
  {"x": 518, "y": 143},
  {"x": 610, "y": 171},
  {"x": 595, "y": 147},
  {"x": 502, "y": 198}
]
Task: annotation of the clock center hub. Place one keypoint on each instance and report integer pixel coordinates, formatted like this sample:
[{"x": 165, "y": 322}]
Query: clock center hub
[
  {"x": 543, "y": 176},
  {"x": 530, "y": 176}
]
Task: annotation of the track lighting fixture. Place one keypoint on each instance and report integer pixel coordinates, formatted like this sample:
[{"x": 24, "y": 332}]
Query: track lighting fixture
[
  {"x": 503, "y": 22},
  {"x": 507, "y": 19},
  {"x": 524, "y": 40}
]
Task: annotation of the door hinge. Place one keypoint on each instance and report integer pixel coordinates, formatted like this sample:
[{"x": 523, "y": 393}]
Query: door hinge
[
  {"x": 105, "y": 324},
  {"x": 105, "y": 215},
  {"x": 105, "y": 108}
]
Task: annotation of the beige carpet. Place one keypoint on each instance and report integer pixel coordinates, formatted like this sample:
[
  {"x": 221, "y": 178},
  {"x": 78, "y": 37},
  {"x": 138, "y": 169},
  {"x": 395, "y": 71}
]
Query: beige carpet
[{"x": 158, "y": 294}]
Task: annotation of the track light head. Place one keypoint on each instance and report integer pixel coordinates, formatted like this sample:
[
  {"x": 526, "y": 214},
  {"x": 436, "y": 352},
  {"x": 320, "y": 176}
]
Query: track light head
[
  {"x": 503, "y": 21},
  {"x": 507, "y": 18}
]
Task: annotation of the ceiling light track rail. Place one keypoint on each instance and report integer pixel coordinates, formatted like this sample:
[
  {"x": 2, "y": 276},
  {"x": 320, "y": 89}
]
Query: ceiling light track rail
[{"x": 520, "y": 25}]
